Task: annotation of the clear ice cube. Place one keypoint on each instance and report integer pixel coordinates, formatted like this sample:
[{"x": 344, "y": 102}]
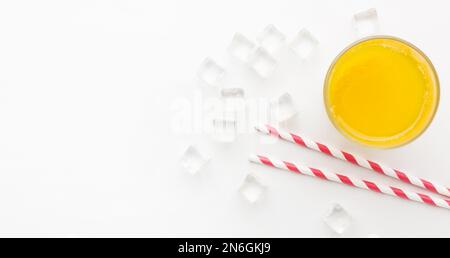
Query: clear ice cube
[
  {"x": 192, "y": 160},
  {"x": 234, "y": 106},
  {"x": 338, "y": 219},
  {"x": 283, "y": 108},
  {"x": 251, "y": 189},
  {"x": 225, "y": 126},
  {"x": 232, "y": 93},
  {"x": 262, "y": 62},
  {"x": 304, "y": 44},
  {"x": 366, "y": 22},
  {"x": 241, "y": 47},
  {"x": 211, "y": 73},
  {"x": 271, "y": 39},
  {"x": 233, "y": 99}
]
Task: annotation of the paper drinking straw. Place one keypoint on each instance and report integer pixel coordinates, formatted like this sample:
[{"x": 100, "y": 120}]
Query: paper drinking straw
[
  {"x": 355, "y": 159},
  {"x": 341, "y": 179}
]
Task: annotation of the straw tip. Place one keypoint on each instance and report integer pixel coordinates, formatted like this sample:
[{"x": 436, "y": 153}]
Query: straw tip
[{"x": 252, "y": 157}]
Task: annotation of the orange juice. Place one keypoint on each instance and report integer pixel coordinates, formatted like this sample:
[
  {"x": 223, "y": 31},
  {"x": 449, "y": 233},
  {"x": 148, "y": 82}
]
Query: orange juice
[{"x": 382, "y": 92}]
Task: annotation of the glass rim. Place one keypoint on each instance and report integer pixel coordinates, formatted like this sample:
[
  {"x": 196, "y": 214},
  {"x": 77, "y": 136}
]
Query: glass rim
[{"x": 347, "y": 48}]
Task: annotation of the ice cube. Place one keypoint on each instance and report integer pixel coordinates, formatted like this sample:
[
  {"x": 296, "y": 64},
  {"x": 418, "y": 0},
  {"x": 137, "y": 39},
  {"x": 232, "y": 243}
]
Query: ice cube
[
  {"x": 232, "y": 93},
  {"x": 271, "y": 39},
  {"x": 234, "y": 107},
  {"x": 262, "y": 62},
  {"x": 366, "y": 22},
  {"x": 225, "y": 126},
  {"x": 211, "y": 73},
  {"x": 283, "y": 108},
  {"x": 192, "y": 160},
  {"x": 241, "y": 47},
  {"x": 304, "y": 44},
  {"x": 251, "y": 189},
  {"x": 338, "y": 219}
]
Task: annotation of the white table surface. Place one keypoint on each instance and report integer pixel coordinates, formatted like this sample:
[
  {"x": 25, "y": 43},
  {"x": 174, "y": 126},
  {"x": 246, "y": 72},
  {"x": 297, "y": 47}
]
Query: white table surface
[{"x": 87, "y": 95}]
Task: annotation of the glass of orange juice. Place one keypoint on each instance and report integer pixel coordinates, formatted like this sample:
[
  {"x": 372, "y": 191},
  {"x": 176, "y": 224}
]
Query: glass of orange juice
[{"x": 382, "y": 92}]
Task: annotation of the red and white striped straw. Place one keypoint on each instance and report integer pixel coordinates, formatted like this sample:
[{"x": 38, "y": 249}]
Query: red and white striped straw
[
  {"x": 338, "y": 178},
  {"x": 355, "y": 159}
]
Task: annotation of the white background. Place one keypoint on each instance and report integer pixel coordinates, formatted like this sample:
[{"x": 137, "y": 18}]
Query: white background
[{"x": 87, "y": 147}]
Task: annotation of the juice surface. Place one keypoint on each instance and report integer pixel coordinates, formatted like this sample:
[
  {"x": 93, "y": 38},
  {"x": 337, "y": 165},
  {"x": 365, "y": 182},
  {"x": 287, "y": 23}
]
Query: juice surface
[{"x": 382, "y": 92}]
